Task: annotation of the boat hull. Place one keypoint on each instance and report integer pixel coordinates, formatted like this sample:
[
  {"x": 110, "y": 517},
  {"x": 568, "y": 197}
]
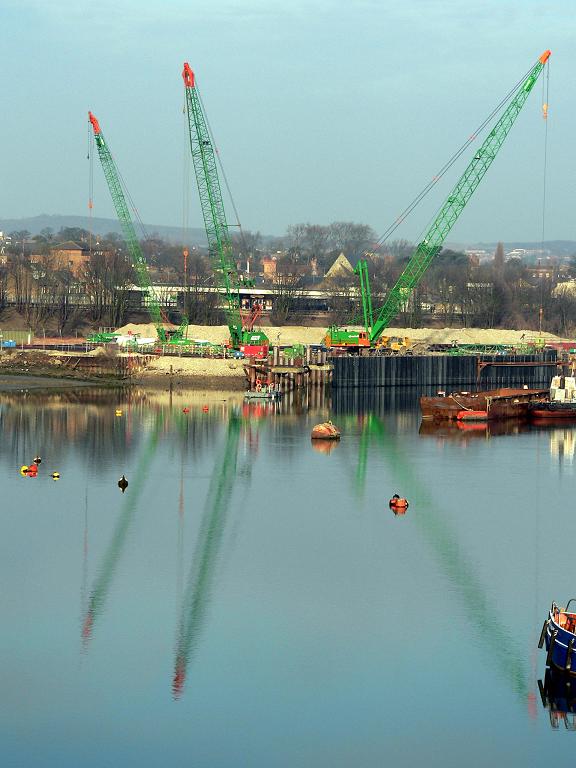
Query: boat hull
[
  {"x": 503, "y": 403},
  {"x": 262, "y": 395},
  {"x": 553, "y": 411},
  {"x": 560, "y": 646}
]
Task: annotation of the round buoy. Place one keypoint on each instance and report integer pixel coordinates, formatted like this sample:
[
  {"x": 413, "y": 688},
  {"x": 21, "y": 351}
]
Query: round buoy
[
  {"x": 325, "y": 431},
  {"x": 55, "y": 475},
  {"x": 123, "y": 483},
  {"x": 398, "y": 505}
]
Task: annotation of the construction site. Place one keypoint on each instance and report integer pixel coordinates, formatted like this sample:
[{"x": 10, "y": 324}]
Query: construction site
[{"x": 244, "y": 353}]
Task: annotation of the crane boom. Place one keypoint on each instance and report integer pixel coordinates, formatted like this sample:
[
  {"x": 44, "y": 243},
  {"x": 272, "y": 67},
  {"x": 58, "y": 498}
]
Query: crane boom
[
  {"x": 455, "y": 203},
  {"x": 123, "y": 213},
  {"x": 214, "y": 215}
]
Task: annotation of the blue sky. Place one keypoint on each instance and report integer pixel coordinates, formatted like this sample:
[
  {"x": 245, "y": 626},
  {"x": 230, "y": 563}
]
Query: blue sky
[{"x": 322, "y": 111}]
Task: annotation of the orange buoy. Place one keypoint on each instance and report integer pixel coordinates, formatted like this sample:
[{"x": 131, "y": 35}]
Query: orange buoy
[
  {"x": 185, "y": 410},
  {"x": 325, "y": 431},
  {"x": 472, "y": 415},
  {"x": 205, "y": 408},
  {"x": 398, "y": 504}
]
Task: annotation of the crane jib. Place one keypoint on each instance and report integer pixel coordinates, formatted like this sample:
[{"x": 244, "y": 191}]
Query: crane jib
[
  {"x": 455, "y": 203},
  {"x": 220, "y": 248}
]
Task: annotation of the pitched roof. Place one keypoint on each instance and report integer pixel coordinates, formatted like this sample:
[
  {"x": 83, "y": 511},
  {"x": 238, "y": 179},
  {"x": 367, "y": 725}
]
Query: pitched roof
[
  {"x": 340, "y": 268},
  {"x": 69, "y": 245}
]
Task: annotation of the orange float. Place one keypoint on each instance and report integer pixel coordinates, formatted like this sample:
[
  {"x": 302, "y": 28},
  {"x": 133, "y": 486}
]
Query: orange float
[
  {"x": 398, "y": 505},
  {"x": 325, "y": 431}
]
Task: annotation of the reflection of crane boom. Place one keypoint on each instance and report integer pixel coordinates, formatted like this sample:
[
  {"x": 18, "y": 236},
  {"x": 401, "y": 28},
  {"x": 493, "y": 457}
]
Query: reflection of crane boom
[
  {"x": 448, "y": 215},
  {"x": 206, "y": 554},
  {"x": 438, "y": 535},
  {"x": 102, "y": 583}
]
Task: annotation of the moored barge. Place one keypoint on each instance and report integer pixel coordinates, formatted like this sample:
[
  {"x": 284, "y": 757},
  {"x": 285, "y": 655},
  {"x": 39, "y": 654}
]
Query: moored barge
[
  {"x": 503, "y": 403},
  {"x": 561, "y": 403}
]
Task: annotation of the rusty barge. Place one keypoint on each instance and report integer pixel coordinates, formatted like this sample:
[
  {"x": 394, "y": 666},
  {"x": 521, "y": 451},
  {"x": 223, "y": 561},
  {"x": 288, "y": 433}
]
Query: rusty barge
[{"x": 492, "y": 404}]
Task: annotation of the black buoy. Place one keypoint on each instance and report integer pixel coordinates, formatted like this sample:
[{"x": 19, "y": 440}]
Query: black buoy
[
  {"x": 37, "y": 459},
  {"x": 123, "y": 483}
]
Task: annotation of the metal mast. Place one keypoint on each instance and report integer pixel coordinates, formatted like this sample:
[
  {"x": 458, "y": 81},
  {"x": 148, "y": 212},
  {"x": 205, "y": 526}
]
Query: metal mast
[
  {"x": 217, "y": 230},
  {"x": 431, "y": 245},
  {"x": 123, "y": 213}
]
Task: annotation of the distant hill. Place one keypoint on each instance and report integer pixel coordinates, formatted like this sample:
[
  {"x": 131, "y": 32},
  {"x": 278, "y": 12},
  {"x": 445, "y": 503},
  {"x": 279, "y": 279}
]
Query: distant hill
[{"x": 98, "y": 226}]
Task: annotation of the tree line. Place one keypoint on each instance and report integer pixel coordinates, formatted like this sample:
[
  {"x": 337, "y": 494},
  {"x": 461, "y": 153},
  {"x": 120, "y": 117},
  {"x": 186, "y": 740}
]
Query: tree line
[{"x": 453, "y": 292}]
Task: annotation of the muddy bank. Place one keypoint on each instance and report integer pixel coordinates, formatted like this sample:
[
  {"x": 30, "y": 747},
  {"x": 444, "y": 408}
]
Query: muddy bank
[
  {"x": 193, "y": 373},
  {"x": 19, "y": 382}
]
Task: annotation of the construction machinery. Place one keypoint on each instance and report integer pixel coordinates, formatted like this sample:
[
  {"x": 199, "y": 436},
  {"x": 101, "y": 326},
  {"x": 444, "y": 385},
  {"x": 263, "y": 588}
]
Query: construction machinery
[
  {"x": 376, "y": 323},
  {"x": 243, "y": 337},
  {"x": 138, "y": 260}
]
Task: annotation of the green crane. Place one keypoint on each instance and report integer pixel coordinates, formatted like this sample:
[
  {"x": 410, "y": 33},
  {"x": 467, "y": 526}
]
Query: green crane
[
  {"x": 242, "y": 335},
  {"x": 455, "y": 203},
  {"x": 134, "y": 248}
]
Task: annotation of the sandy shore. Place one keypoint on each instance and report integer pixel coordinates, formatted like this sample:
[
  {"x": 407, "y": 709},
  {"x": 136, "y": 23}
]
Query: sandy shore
[{"x": 294, "y": 334}]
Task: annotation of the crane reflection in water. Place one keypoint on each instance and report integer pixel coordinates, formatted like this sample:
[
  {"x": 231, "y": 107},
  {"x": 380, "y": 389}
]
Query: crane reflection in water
[
  {"x": 206, "y": 553},
  {"x": 436, "y": 531}
]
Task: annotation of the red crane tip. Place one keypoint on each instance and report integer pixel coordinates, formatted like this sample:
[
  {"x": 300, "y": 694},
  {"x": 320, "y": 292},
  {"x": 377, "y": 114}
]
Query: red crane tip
[
  {"x": 188, "y": 76},
  {"x": 94, "y": 122},
  {"x": 545, "y": 56}
]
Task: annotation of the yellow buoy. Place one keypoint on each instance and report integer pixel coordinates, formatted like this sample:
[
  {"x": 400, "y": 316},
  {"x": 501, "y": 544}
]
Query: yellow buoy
[
  {"x": 118, "y": 412},
  {"x": 55, "y": 475},
  {"x": 24, "y": 470}
]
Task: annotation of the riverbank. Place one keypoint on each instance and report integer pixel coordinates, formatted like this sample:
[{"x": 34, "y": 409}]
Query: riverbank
[{"x": 194, "y": 373}]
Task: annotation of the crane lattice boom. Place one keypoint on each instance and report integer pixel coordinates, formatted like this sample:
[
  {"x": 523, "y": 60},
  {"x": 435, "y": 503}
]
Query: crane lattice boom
[
  {"x": 217, "y": 230},
  {"x": 454, "y": 205},
  {"x": 123, "y": 213}
]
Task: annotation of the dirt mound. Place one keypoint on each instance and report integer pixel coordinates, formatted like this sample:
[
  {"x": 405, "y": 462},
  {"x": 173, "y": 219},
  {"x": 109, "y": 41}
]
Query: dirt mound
[{"x": 296, "y": 334}]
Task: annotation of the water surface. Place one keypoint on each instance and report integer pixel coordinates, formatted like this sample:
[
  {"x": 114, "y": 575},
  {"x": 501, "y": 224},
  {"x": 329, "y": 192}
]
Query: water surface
[{"x": 251, "y": 600}]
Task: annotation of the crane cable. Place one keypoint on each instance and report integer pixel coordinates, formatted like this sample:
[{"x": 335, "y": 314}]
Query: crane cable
[
  {"x": 219, "y": 159},
  {"x": 545, "y": 103},
  {"x": 90, "y": 158},
  {"x": 446, "y": 167}
]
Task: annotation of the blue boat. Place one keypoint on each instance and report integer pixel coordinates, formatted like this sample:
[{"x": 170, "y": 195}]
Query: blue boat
[{"x": 559, "y": 635}]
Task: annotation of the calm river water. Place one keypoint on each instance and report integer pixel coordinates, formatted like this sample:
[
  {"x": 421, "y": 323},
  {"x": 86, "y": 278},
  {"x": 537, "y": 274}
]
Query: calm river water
[{"x": 252, "y": 601}]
